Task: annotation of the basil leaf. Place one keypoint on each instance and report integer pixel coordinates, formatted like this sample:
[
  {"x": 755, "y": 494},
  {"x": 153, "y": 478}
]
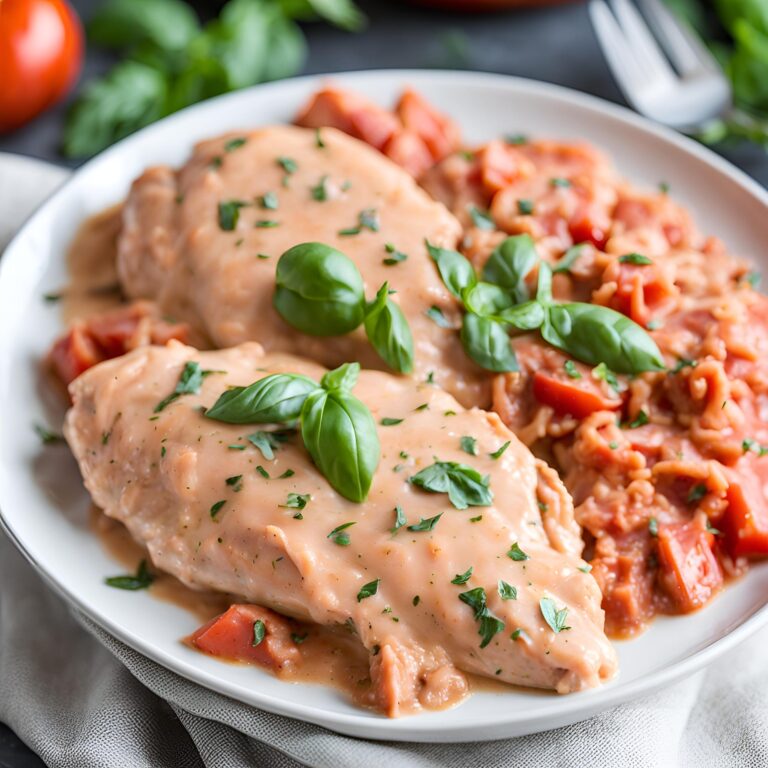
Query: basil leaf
[
  {"x": 389, "y": 332},
  {"x": 507, "y": 591},
  {"x": 465, "y": 486},
  {"x": 544, "y": 287},
  {"x": 468, "y": 444},
  {"x": 554, "y": 617},
  {"x": 487, "y": 342},
  {"x": 486, "y": 299},
  {"x": 340, "y": 434},
  {"x": 342, "y": 379},
  {"x": 400, "y": 519},
  {"x": 462, "y": 578},
  {"x": 275, "y": 399},
  {"x": 635, "y": 258},
  {"x": 319, "y": 291},
  {"x": 265, "y": 442},
  {"x": 189, "y": 383},
  {"x": 517, "y": 554},
  {"x": 436, "y": 315},
  {"x": 142, "y": 580},
  {"x": 425, "y": 523},
  {"x": 509, "y": 263},
  {"x": 368, "y": 590},
  {"x": 595, "y": 334},
  {"x": 527, "y": 316},
  {"x": 337, "y": 535},
  {"x": 456, "y": 271},
  {"x": 490, "y": 625}
]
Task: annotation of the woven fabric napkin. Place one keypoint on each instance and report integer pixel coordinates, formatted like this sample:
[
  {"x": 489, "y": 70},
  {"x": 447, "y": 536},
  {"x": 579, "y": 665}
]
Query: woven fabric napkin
[{"x": 81, "y": 698}]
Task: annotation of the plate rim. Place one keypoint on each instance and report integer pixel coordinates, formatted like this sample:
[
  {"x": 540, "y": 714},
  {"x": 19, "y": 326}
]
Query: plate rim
[{"x": 582, "y": 705}]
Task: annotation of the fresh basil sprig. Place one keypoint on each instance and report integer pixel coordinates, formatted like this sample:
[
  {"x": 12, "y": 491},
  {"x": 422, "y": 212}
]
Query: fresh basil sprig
[
  {"x": 338, "y": 430},
  {"x": 319, "y": 291},
  {"x": 590, "y": 333}
]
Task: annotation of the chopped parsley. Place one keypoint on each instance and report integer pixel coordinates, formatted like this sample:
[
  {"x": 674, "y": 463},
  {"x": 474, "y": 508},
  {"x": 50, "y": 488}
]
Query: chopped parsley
[
  {"x": 287, "y": 473},
  {"x": 558, "y": 181},
  {"x": 338, "y": 536},
  {"x": 299, "y": 639},
  {"x": 507, "y": 591},
  {"x": 189, "y": 383},
  {"x": 288, "y": 164},
  {"x": 497, "y": 454},
  {"x": 366, "y": 219},
  {"x": 475, "y": 519},
  {"x": 465, "y": 486},
  {"x": 517, "y": 554},
  {"x": 235, "y": 482},
  {"x": 602, "y": 372},
  {"x": 259, "y": 632},
  {"x": 319, "y": 143},
  {"x": 368, "y": 590},
  {"x": 320, "y": 192},
  {"x": 481, "y": 219},
  {"x": 263, "y": 472},
  {"x": 266, "y": 442},
  {"x": 234, "y": 144},
  {"x": 697, "y": 493},
  {"x": 142, "y": 579},
  {"x": 516, "y": 634},
  {"x": 684, "y": 362},
  {"x": 425, "y": 523},
  {"x": 640, "y": 420},
  {"x": 395, "y": 256},
  {"x": 571, "y": 369},
  {"x": 653, "y": 526},
  {"x": 389, "y": 421},
  {"x": 569, "y": 259},
  {"x": 296, "y": 501},
  {"x": 216, "y": 508},
  {"x": 46, "y": 436},
  {"x": 462, "y": 578},
  {"x": 435, "y": 314},
  {"x": 489, "y": 625},
  {"x": 554, "y": 617},
  {"x": 525, "y": 207},
  {"x": 468, "y": 444},
  {"x": 400, "y": 519},
  {"x": 266, "y": 224},
  {"x": 635, "y": 258},
  {"x": 269, "y": 201},
  {"x": 229, "y": 213}
]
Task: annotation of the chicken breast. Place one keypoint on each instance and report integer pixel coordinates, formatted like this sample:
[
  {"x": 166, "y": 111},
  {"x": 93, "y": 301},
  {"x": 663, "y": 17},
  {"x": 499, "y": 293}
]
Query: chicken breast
[
  {"x": 294, "y": 189},
  {"x": 195, "y": 492}
]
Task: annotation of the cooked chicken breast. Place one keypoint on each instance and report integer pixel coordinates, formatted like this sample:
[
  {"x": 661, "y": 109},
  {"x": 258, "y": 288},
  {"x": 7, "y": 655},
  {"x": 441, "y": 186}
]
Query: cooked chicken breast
[
  {"x": 173, "y": 249},
  {"x": 163, "y": 475}
]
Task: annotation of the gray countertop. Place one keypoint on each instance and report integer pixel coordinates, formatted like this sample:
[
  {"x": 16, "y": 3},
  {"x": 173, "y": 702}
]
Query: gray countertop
[{"x": 556, "y": 45}]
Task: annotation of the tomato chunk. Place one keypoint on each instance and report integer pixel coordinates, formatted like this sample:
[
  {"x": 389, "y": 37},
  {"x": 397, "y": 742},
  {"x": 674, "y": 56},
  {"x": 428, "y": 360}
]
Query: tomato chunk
[
  {"x": 232, "y": 636},
  {"x": 74, "y": 353},
  {"x": 639, "y": 289},
  {"x": 579, "y": 397},
  {"x": 689, "y": 569},
  {"x": 746, "y": 519},
  {"x": 440, "y": 134},
  {"x": 410, "y": 152}
]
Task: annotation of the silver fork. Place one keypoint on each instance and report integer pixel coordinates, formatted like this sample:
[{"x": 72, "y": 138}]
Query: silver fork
[{"x": 686, "y": 97}]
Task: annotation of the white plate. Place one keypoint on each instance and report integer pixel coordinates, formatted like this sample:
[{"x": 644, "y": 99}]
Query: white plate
[{"x": 45, "y": 508}]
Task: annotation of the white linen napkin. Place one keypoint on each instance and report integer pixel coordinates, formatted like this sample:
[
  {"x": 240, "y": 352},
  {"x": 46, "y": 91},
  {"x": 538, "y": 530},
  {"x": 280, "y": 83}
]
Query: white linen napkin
[{"x": 81, "y": 698}]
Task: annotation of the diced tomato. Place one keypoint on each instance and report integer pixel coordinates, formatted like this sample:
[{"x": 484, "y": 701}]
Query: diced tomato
[
  {"x": 579, "y": 397},
  {"x": 410, "y": 152},
  {"x": 688, "y": 568},
  {"x": 639, "y": 289},
  {"x": 440, "y": 134},
  {"x": 74, "y": 353},
  {"x": 232, "y": 636},
  {"x": 350, "y": 113},
  {"x": 584, "y": 229},
  {"x": 746, "y": 520},
  {"x": 500, "y": 165}
]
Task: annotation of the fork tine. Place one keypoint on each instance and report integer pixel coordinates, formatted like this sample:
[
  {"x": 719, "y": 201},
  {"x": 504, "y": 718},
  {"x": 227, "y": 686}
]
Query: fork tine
[
  {"x": 682, "y": 45},
  {"x": 621, "y": 59},
  {"x": 642, "y": 42}
]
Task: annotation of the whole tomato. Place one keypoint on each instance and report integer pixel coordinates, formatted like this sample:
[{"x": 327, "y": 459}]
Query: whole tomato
[{"x": 41, "y": 54}]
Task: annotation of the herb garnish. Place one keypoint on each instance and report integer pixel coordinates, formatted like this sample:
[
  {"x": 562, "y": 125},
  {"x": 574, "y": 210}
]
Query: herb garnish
[
  {"x": 319, "y": 143},
  {"x": 216, "y": 507},
  {"x": 46, "y": 436},
  {"x": 189, "y": 383},
  {"x": 299, "y": 639},
  {"x": 366, "y": 219},
  {"x": 517, "y": 554},
  {"x": 337, "y": 535},
  {"x": 395, "y": 256},
  {"x": 571, "y": 370},
  {"x": 259, "y": 632},
  {"x": 389, "y": 421},
  {"x": 653, "y": 526},
  {"x": 296, "y": 501},
  {"x": 229, "y": 213},
  {"x": 507, "y": 591},
  {"x": 263, "y": 472},
  {"x": 525, "y": 206},
  {"x": 635, "y": 258},
  {"x": 497, "y": 454},
  {"x": 684, "y": 363},
  {"x": 368, "y": 590},
  {"x": 269, "y": 201},
  {"x": 465, "y": 486},
  {"x": 697, "y": 493},
  {"x": 559, "y": 181},
  {"x": 468, "y": 444},
  {"x": 425, "y": 524},
  {"x": 462, "y": 578},
  {"x": 601, "y": 372},
  {"x": 287, "y": 473},
  {"x": 235, "y": 482},
  {"x": 288, "y": 164},
  {"x": 435, "y": 314},
  {"x": 320, "y": 192},
  {"x": 266, "y": 224},
  {"x": 234, "y": 144},
  {"x": 569, "y": 259},
  {"x": 266, "y": 442},
  {"x": 639, "y": 420},
  {"x": 481, "y": 219},
  {"x": 554, "y": 617},
  {"x": 400, "y": 519},
  {"x": 142, "y": 579},
  {"x": 490, "y": 625}
]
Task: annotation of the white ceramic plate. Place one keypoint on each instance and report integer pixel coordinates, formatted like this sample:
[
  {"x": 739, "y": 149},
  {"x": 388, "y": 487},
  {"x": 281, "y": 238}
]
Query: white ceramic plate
[{"x": 45, "y": 509}]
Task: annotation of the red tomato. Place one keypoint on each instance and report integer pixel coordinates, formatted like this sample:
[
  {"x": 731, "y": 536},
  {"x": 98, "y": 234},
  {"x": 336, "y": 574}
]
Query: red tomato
[
  {"x": 746, "y": 520},
  {"x": 41, "y": 54},
  {"x": 578, "y": 397}
]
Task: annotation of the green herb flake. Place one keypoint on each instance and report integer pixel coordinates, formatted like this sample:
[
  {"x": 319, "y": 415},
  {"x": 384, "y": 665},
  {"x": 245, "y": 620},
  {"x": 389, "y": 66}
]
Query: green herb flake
[
  {"x": 216, "y": 508},
  {"x": 320, "y": 192},
  {"x": 296, "y": 501},
  {"x": 266, "y": 224},
  {"x": 286, "y": 474},
  {"x": 468, "y": 444},
  {"x": 525, "y": 207},
  {"x": 558, "y": 181},
  {"x": 517, "y": 554},
  {"x": 389, "y": 421},
  {"x": 189, "y": 383},
  {"x": 395, "y": 256},
  {"x": 475, "y": 519},
  {"x": 319, "y": 143},
  {"x": 46, "y": 436},
  {"x": 263, "y": 472},
  {"x": 570, "y": 257},
  {"x": 52, "y": 298},
  {"x": 462, "y": 578},
  {"x": 516, "y": 634},
  {"x": 142, "y": 579},
  {"x": 269, "y": 201},
  {"x": 489, "y": 625},
  {"x": 259, "y": 632},
  {"x": 602, "y": 372},
  {"x": 368, "y": 590},
  {"x": 585, "y": 568},
  {"x": 663, "y": 187},
  {"x": 425, "y": 523},
  {"x": 465, "y": 486},
  {"x": 516, "y": 139},
  {"x": 435, "y": 314},
  {"x": 233, "y": 144},
  {"x": 337, "y": 535},
  {"x": 640, "y": 420},
  {"x": 266, "y": 442},
  {"x": 229, "y": 213},
  {"x": 400, "y": 519},
  {"x": 288, "y": 164},
  {"x": 653, "y": 526},
  {"x": 507, "y": 591},
  {"x": 697, "y": 493},
  {"x": 554, "y": 617},
  {"x": 499, "y": 452},
  {"x": 683, "y": 363},
  {"x": 571, "y": 369},
  {"x": 481, "y": 219},
  {"x": 235, "y": 482},
  {"x": 635, "y": 258}
]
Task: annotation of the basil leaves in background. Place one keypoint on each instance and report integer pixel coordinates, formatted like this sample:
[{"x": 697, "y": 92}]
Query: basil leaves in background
[
  {"x": 588, "y": 332},
  {"x": 171, "y": 61},
  {"x": 320, "y": 292},
  {"x": 338, "y": 430}
]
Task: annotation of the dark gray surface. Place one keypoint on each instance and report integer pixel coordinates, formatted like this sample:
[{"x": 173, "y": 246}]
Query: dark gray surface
[{"x": 556, "y": 45}]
